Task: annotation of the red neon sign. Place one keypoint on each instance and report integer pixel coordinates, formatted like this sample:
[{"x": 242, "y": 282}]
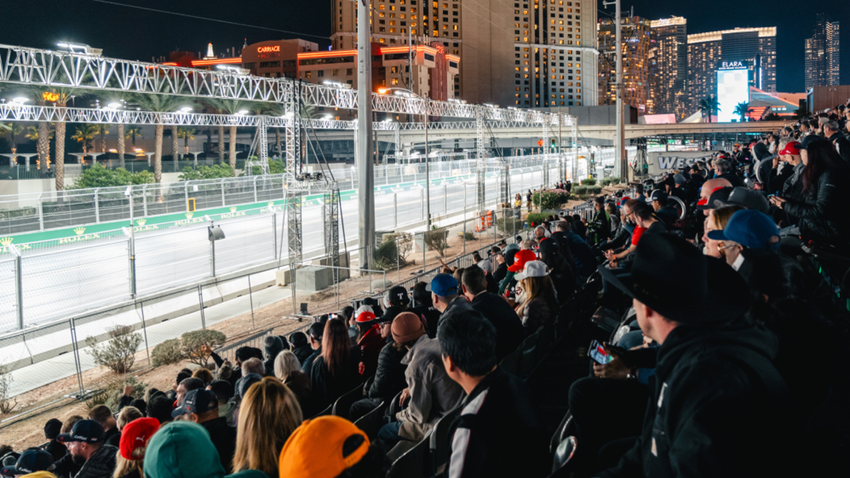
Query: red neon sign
[{"x": 265, "y": 49}]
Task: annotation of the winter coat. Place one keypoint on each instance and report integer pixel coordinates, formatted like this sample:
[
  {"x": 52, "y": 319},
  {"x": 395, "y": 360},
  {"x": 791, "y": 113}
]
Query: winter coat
[
  {"x": 100, "y": 464},
  {"x": 326, "y": 387},
  {"x": 820, "y": 213},
  {"x": 298, "y": 383},
  {"x": 582, "y": 255},
  {"x": 370, "y": 347},
  {"x": 432, "y": 392},
  {"x": 389, "y": 374},
  {"x": 538, "y": 312},
  {"x": 430, "y": 316},
  {"x": 600, "y": 229},
  {"x": 456, "y": 307},
  {"x": 223, "y": 438},
  {"x": 112, "y": 437},
  {"x": 498, "y": 424},
  {"x": 718, "y": 407},
  {"x": 302, "y": 352},
  {"x": 66, "y": 467},
  {"x": 272, "y": 345},
  {"x": 509, "y": 331}
]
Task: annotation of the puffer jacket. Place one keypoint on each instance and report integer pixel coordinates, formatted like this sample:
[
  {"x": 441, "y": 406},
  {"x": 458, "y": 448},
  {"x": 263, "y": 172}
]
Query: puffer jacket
[
  {"x": 389, "y": 375},
  {"x": 101, "y": 464},
  {"x": 820, "y": 212}
]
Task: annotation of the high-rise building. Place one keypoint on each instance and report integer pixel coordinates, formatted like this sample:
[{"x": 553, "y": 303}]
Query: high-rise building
[
  {"x": 636, "y": 35},
  {"x": 669, "y": 66},
  {"x": 754, "y": 47},
  {"x": 526, "y": 53},
  {"x": 822, "y": 53}
]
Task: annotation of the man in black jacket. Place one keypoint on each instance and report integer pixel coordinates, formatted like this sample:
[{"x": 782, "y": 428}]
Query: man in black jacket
[
  {"x": 832, "y": 132},
  {"x": 509, "y": 331},
  {"x": 51, "y": 430},
  {"x": 443, "y": 288},
  {"x": 85, "y": 443},
  {"x": 389, "y": 376},
  {"x": 103, "y": 415},
  {"x": 498, "y": 432},
  {"x": 718, "y": 406},
  {"x": 201, "y": 407},
  {"x": 315, "y": 333}
]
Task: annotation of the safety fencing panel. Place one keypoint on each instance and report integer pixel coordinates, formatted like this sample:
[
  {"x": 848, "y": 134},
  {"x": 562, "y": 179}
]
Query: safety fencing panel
[
  {"x": 8, "y": 296},
  {"x": 172, "y": 259}
]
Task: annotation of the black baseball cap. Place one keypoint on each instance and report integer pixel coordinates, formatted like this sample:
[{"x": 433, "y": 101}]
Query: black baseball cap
[
  {"x": 398, "y": 296},
  {"x": 196, "y": 401},
  {"x": 719, "y": 198},
  {"x": 30, "y": 461},
  {"x": 88, "y": 431},
  {"x": 657, "y": 195}
]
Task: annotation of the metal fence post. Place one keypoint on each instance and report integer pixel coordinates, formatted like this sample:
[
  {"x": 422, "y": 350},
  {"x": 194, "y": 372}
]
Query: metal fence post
[
  {"x": 96, "y": 207},
  {"x": 255, "y": 188},
  {"x": 201, "y": 303},
  {"x": 395, "y": 210},
  {"x": 222, "y": 194},
  {"x": 445, "y": 199},
  {"x": 274, "y": 232},
  {"x": 73, "y": 329},
  {"x": 144, "y": 200},
  {"x": 421, "y": 204},
  {"x": 186, "y": 195},
  {"x": 40, "y": 213},
  {"x": 251, "y": 299},
  {"x": 19, "y": 286},
  {"x": 145, "y": 334}
]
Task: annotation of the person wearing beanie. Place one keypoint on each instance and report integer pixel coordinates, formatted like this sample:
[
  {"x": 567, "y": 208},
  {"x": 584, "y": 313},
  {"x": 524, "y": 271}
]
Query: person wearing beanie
[
  {"x": 315, "y": 333},
  {"x": 300, "y": 346},
  {"x": 51, "y": 430},
  {"x": 431, "y": 392},
  {"x": 131, "y": 450},
  {"x": 184, "y": 450},
  {"x": 272, "y": 345},
  {"x": 330, "y": 447}
]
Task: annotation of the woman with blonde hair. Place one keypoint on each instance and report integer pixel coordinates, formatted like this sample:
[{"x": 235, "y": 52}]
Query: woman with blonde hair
[
  {"x": 127, "y": 415},
  {"x": 538, "y": 303},
  {"x": 287, "y": 369},
  {"x": 131, "y": 449},
  {"x": 717, "y": 222},
  {"x": 268, "y": 415}
]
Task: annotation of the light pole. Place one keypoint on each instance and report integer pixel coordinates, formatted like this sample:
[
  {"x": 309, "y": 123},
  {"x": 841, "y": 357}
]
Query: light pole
[
  {"x": 363, "y": 145},
  {"x": 427, "y": 101},
  {"x": 620, "y": 159}
]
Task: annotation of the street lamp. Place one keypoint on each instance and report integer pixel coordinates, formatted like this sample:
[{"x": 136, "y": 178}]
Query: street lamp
[
  {"x": 411, "y": 94},
  {"x": 185, "y": 109},
  {"x": 80, "y": 48},
  {"x": 19, "y": 101}
]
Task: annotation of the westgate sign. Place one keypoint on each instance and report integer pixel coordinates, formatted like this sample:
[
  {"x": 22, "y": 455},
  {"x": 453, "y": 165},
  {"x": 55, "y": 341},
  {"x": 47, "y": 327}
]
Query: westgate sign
[{"x": 663, "y": 161}]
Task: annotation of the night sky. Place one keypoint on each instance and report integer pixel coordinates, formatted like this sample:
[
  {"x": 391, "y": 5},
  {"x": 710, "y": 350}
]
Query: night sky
[{"x": 134, "y": 34}]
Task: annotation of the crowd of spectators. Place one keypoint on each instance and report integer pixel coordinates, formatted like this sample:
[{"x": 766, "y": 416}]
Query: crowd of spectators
[{"x": 709, "y": 269}]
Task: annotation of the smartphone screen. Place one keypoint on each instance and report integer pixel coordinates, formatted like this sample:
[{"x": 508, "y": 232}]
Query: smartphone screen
[{"x": 598, "y": 353}]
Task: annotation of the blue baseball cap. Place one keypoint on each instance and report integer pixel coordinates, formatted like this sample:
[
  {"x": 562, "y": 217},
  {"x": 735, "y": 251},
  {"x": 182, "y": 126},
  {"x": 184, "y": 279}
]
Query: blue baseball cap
[
  {"x": 88, "y": 431},
  {"x": 30, "y": 461},
  {"x": 443, "y": 285},
  {"x": 196, "y": 401},
  {"x": 751, "y": 229}
]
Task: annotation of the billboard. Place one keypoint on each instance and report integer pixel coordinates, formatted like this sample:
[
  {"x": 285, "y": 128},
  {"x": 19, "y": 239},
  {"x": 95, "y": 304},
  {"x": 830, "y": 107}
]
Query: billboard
[{"x": 732, "y": 88}]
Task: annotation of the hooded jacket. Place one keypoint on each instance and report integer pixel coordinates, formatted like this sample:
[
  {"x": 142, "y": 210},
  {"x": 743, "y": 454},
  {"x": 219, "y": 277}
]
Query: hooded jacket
[
  {"x": 272, "y": 345},
  {"x": 370, "y": 348},
  {"x": 432, "y": 392},
  {"x": 718, "y": 407},
  {"x": 100, "y": 464},
  {"x": 820, "y": 212}
]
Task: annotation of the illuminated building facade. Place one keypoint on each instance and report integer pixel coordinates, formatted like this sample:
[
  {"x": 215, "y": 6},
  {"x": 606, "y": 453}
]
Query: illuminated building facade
[
  {"x": 668, "y": 64},
  {"x": 706, "y": 51},
  {"x": 636, "y": 36},
  {"x": 526, "y": 53},
  {"x": 823, "y": 53}
]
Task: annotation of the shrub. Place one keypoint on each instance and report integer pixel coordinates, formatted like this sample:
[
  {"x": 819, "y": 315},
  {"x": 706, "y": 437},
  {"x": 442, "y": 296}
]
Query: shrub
[
  {"x": 594, "y": 190},
  {"x": 468, "y": 236},
  {"x": 404, "y": 243},
  {"x": 536, "y": 218},
  {"x": 436, "y": 240},
  {"x": 580, "y": 191},
  {"x": 550, "y": 198},
  {"x": 589, "y": 182},
  {"x": 386, "y": 256},
  {"x": 119, "y": 353},
  {"x": 196, "y": 342},
  {"x": 606, "y": 182},
  {"x": 614, "y": 180},
  {"x": 168, "y": 352},
  {"x": 111, "y": 394},
  {"x": 7, "y": 403},
  {"x": 509, "y": 225}
]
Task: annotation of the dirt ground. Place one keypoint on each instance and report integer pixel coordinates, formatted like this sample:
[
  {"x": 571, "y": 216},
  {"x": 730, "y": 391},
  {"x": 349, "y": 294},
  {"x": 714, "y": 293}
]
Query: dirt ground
[{"x": 27, "y": 431}]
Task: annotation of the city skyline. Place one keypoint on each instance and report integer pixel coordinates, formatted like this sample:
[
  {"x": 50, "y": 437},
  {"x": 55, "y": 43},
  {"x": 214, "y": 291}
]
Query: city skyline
[{"x": 169, "y": 31}]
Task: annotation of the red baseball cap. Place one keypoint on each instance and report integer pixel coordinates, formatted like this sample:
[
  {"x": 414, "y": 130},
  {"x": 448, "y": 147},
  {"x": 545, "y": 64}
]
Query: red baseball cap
[
  {"x": 521, "y": 258},
  {"x": 135, "y": 435},
  {"x": 365, "y": 316},
  {"x": 792, "y": 148}
]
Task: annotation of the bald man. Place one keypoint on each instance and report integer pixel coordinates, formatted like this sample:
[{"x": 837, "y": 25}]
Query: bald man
[{"x": 710, "y": 186}]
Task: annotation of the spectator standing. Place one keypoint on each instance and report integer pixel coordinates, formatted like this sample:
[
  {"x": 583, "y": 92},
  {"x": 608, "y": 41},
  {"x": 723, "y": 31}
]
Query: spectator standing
[
  {"x": 201, "y": 407},
  {"x": 85, "y": 443},
  {"x": 370, "y": 341},
  {"x": 184, "y": 450},
  {"x": 189, "y": 384},
  {"x": 599, "y": 230},
  {"x": 431, "y": 392},
  {"x": 701, "y": 421},
  {"x": 509, "y": 331},
  {"x": 498, "y": 432},
  {"x": 103, "y": 415},
  {"x": 288, "y": 370},
  {"x": 335, "y": 371},
  {"x": 52, "y": 429},
  {"x": 131, "y": 451},
  {"x": 268, "y": 416},
  {"x": 537, "y": 304},
  {"x": 315, "y": 333},
  {"x": 272, "y": 345}
]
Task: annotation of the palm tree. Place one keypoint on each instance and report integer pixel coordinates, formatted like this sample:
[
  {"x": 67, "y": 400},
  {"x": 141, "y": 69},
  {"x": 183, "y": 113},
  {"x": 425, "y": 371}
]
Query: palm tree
[
  {"x": 42, "y": 137},
  {"x": 132, "y": 132},
  {"x": 742, "y": 109},
  {"x": 84, "y": 134},
  {"x": 175, "y": 144},
  {"x": 187, "y": 134},
  {"x": 65, "y": 95},
  {"x": 103, "y": 130},
  {"x": 162, "y": 104},
  {"x": 230, "y": 107},
  {"x": 708, "y": 106},
  {"x": 13, "y": 129}
]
